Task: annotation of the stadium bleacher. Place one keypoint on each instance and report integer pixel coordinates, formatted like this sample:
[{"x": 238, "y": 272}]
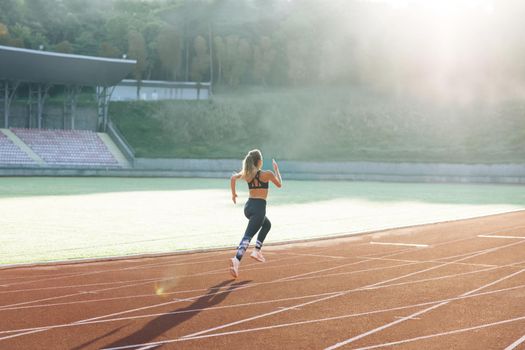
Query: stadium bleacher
[
  {"x": 11, "y": 154},
  {"x": 77, "y": 148}
]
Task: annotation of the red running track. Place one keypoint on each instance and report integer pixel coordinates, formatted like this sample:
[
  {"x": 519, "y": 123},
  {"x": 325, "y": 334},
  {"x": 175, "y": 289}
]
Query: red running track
[{"x": 455, "y": 285}]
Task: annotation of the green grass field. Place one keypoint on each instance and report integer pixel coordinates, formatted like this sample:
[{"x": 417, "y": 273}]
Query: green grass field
[{"x": 46, "y": 219}]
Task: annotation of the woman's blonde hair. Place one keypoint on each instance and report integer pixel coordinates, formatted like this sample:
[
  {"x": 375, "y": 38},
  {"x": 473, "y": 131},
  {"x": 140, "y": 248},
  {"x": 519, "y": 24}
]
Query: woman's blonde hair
[{"x": 249, "y": 165}]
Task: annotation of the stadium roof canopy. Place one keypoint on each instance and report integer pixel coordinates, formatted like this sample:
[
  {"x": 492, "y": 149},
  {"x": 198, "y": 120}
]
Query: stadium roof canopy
[{"x": 33, "y": 66}]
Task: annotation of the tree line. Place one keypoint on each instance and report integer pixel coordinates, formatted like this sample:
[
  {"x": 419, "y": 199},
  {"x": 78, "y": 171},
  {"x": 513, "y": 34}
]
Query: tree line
[{"x": 281, "y": 42}]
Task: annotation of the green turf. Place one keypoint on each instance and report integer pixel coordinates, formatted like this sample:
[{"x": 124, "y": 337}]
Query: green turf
[
  {"x": 294, "y": 191},
  {"x": 46, "y": 219}
]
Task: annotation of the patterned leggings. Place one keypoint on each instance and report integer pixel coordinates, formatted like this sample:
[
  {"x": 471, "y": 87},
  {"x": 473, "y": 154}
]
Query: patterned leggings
[{"x": 255, "y": 211}]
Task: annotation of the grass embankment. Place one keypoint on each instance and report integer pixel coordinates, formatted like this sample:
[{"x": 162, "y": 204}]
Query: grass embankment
[{"x": 338, "y": 124}]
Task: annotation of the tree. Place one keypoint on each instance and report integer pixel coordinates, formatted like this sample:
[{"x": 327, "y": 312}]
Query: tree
[
  {"x": 263, "y": 59},
  {"x": 237, "y": 57},
  {"x": 137, "y": 51},
  {"x": 220, "y": 51},
  {"x": 107, "y": 50},
  {"x": 64, "y": 47},
  {"x": 10, "y": 12},
  {"x": 201, "y": 61},
  {"x": 170, "y": 51},
  {"x": 86, "y": 44}
]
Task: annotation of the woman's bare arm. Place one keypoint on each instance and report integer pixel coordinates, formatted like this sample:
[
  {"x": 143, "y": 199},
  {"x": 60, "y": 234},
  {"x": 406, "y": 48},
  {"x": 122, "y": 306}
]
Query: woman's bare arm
[
  {"x": 276, "y": 178},
  {"x": 233, "y": 179}
]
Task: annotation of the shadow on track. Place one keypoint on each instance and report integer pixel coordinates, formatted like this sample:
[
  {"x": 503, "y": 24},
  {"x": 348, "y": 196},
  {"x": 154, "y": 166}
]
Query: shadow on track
[{"x": 158, "y": 326}]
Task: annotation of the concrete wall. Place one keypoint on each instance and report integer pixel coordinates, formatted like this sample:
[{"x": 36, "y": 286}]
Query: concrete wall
[
  {"x": 351, "y": 171},
  {"x": 339, "y": 168},
  {"x": 287, "y": 175},
  {"x": 362, "y": 171}
]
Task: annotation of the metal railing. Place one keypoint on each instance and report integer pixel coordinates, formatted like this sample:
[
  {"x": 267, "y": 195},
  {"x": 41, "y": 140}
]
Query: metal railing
[{"x": 116, "y": 135}]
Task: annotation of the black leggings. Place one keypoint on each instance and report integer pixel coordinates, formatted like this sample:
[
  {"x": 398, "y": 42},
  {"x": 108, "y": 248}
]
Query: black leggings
[{"x": 255, "y": 211}]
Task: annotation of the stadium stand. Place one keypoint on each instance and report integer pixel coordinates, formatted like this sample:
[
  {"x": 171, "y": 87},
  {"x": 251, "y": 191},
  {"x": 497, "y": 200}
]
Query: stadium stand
[
  {"x": 77, "y": 148},
  {"x": 10, "y": 154}
]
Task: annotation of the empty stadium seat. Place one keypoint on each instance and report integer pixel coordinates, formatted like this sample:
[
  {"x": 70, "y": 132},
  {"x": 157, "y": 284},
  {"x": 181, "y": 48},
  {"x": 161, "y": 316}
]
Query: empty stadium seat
[
  {"x": 10, "y": 154},
  {"x": 71, "y": 148}
]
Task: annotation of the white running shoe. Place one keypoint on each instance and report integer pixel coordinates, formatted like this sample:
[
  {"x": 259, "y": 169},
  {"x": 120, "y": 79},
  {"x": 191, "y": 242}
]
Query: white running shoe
[
  {"x": 257, "y": 255},
  {"x": 234, "y": 267}
]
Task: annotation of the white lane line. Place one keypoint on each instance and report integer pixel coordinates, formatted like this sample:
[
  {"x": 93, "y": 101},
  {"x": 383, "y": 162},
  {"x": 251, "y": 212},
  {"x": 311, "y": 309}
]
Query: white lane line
[
  {"x": 255, "y": 303},
  {"x": 134, "y": 267},
  {"x": 326, "y": 319},
  {"x": 143, "y": 308},
  {"x": 503, "y": 237},
  {"x": 344, "y": 293},
  {"x": 262, "y": 302},
  {"x": 381, "y": 255},
  {"x": 269, "y": 264},
  {"x": 251, "y": 285},
  {"x": 73, "y": 294},
  {"x": 420, "y": 312},
  {"x": 401, "y": 244},
  {"x": 204, "y": 289},
  {"x": 456, "y": 331},
  {"x": 516, "y": 343},
  {"x": 71, "y": 286},
  {"x": 211, "y": 272},
  {"x": 436, "y": 262},
  {"x": 472, "y": 255},
  {"x": 314, "y": 255}
]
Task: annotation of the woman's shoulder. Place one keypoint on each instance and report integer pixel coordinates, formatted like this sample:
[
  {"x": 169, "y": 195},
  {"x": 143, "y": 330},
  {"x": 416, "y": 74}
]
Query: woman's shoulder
[{"x": 265, "y": 175}]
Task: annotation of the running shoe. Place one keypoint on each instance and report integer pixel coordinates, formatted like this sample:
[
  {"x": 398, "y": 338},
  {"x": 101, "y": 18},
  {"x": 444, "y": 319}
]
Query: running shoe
[
  {"x": 234, "y": 267},
  {"x": 257, "y": 255}
]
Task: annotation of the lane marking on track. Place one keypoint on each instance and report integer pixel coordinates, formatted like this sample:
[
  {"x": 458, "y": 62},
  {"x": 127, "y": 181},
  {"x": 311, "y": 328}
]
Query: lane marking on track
[
  {"x": 205, "y": 289},
  {"x": 516, "y": 343},
  {"x": 216, "y": 271},
  {"x": 314, "y": 255},
  {"x": 376, "y": 254},
  {"x": 420, "y": 312},
  {"x": 263, "y": 302},
  {"x": 401, "y": 244},
  {"x": 326, "y": 319},
  {"x": 411, "y": 318},
  {"x": 456, "y": 331},
  {"x": 89, "y": 273},
  {"x": 437, "y": 262},
  {"x": 66, "y": 325},
  {"x": 504, "y": 237},
  {"x": 344, "y": 293},
  {"x": 44, "y": 328},
  {"x": 162, "y": 304}
]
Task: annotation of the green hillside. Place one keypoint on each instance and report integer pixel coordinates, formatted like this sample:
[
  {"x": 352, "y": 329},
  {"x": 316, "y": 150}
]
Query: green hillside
[{"x": 325, "y": 124}]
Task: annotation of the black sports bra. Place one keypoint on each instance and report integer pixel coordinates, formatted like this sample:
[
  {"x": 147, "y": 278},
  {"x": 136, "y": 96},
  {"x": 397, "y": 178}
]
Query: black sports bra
[{"x": 257, "y": 182}]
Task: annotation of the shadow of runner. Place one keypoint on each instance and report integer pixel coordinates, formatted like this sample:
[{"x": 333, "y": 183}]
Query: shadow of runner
[
  {"x": 161, "y": 324},
  {"x": 92, "y": 341}
]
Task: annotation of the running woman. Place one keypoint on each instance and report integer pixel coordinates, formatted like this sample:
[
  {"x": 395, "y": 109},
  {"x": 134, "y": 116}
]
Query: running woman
[{"x": 255, "y": 208}]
